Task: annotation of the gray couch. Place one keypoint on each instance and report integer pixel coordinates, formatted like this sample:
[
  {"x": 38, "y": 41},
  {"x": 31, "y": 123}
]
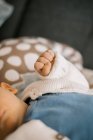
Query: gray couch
[{"x": 67, "y": 21}]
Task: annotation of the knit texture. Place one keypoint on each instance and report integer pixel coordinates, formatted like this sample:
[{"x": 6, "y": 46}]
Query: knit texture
[{"x": 64, "y": 77}]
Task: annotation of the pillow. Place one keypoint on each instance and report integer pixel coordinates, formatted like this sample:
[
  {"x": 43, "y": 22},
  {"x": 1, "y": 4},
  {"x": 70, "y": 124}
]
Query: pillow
[{"x": 17, "y": 58}]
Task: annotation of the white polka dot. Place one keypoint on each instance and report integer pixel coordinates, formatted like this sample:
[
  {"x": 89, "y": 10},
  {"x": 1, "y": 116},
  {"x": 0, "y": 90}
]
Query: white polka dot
[
  {"x": 10, "y": 42},
  {"x": 1, "y": 64},
  {"x": 30, "y": 59},
  {"x": 41, "y": 48},
  {"x": 14, "y": 60},
  {"x": 68, "y": 51},
  {"x": 74, "y": 58},
  {"x": 5, "y": 51},
  {"x": 23, "y": 46},
  {"x": 30, "y": 40},
  {"x": 79, "y": 56},
  {"x": 57, "y": 47},
  {"x": 42, "y": 40},
  {"x": 12, "y": 75}
]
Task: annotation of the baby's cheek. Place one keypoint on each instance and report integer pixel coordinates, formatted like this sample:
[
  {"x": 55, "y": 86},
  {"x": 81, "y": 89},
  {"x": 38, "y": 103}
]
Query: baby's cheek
[
  {"x": 6, "y": 128},
  {"x": 11, "y": 124}
]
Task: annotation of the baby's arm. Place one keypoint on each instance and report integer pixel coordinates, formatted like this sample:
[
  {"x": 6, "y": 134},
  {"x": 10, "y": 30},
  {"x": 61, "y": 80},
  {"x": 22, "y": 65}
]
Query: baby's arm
[
  {"x": 52, "y": 65},
  {"x": 57, "y": 75}
]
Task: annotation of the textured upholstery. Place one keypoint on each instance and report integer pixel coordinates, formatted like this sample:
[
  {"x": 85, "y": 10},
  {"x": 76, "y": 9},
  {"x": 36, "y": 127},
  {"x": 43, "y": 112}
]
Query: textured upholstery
[{"x": 65, "y": 21}]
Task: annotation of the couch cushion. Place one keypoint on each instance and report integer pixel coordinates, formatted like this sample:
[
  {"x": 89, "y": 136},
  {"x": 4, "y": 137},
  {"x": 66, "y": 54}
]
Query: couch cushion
[{"x": 65, "y": 21}]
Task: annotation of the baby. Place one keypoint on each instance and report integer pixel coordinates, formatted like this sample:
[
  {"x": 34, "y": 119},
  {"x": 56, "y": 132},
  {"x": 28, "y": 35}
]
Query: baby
[{"x": 46, "y": 99}]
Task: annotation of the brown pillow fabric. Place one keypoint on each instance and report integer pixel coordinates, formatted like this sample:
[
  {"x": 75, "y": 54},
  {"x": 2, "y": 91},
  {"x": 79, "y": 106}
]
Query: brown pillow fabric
[{"x": 17, "y": 58}]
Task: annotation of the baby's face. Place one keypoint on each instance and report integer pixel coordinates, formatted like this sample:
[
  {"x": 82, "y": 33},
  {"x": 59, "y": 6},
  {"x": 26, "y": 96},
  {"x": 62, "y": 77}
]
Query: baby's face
[{"x": 9, "y": 112}]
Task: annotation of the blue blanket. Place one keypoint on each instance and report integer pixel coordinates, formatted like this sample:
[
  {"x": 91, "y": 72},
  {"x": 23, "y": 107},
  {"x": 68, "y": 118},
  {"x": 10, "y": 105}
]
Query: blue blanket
[{"x": 70, "y": 114}]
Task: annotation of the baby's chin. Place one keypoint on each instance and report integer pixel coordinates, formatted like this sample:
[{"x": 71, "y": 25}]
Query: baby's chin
[{"x": 8, "y": 130}]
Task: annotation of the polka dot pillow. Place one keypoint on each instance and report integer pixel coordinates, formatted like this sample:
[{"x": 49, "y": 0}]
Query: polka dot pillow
[{"x": 17, "y": 58}]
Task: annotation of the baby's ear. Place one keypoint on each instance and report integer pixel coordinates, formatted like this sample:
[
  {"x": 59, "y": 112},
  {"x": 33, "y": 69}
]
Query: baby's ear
[{"x": 8, "y": 87}]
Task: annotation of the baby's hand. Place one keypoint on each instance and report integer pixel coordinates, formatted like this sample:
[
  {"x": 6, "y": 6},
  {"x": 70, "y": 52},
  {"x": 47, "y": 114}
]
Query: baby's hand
[{"x": 44, "y": 63}]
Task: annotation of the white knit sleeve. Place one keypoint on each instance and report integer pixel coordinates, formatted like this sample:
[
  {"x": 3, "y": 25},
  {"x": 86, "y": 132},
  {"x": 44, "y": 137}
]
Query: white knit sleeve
[
  {"x": 64, "y": 76},
  {"x": 63, "y": 68},
  {"x": 60, "y": 68}
]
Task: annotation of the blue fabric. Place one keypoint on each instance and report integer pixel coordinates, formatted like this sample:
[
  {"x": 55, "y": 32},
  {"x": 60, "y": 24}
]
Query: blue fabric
[{"x": 70, "y": 114}]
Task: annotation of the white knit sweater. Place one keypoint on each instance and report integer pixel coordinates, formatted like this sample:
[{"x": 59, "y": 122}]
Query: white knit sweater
[{"x": 64, "y": 77}]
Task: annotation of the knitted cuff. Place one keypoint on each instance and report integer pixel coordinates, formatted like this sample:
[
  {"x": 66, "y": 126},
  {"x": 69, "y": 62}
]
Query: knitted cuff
[
  {"x": 63, "y": 68},
  {"x": 59, "y": 69}
]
